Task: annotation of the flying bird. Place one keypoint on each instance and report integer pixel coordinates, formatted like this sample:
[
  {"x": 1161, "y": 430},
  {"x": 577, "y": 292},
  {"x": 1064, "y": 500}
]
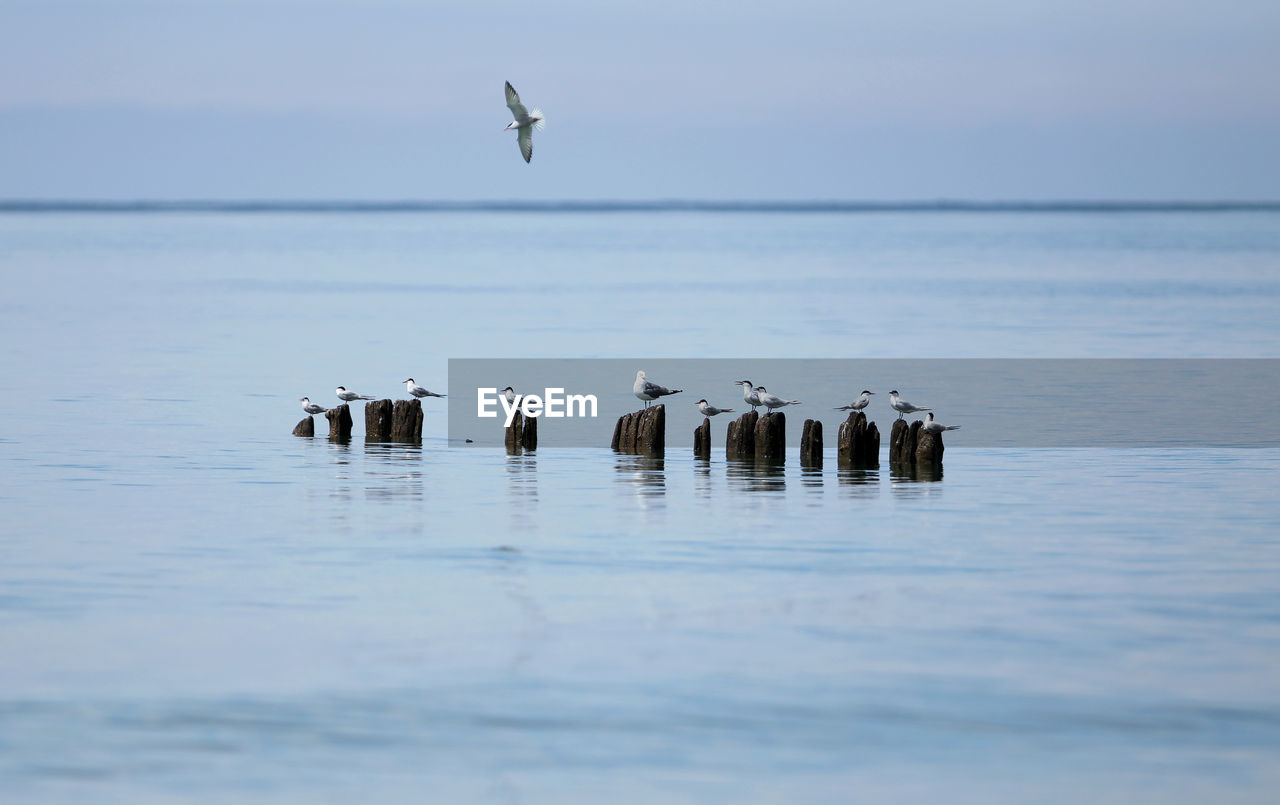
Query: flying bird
[
  {"x": 419, "y": 391},
  {"x": 525, "y": 122},
  {"x": 647, "y": 390},
  {"x": 902, "y": 406},
  {"x": 710, "y": 410}
]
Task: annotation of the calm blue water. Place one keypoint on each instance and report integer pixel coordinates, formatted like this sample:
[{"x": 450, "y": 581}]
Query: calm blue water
[{"x": 195, "y": 605}]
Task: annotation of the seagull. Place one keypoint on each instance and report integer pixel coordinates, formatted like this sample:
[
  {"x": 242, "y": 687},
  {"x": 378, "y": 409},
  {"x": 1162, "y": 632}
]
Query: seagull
[
  {"x": 857, "y": 405},
  {"x": 749, "y": 395},
  {"x": 710, "y": 410},
  {"x": 525, "y": 122},
  {"x": 772, "y": 401},
  {"x": 510, "y": 394},
  {"x": 310, "y": 407},
  {"x": 937, "y": 427},
  {"x": 419, "y": 391},
  {"x": 348, "y": 396},
  {"x": 648, "y": 391},
  {"x": 902, "y": 406}
]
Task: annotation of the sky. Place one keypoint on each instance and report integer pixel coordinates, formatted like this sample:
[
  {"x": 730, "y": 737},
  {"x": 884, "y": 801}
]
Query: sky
[{"x": 796, "y": 100}]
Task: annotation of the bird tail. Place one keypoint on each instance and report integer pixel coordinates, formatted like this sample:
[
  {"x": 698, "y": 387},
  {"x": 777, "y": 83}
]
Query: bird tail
[
  {"x": 439, "y": 395},
  {"x": 541, "y": 119},
  {"x": 952, "y": 427},
  {"x": 364, "y": 397},
  {"x": 794, "y": 402}
]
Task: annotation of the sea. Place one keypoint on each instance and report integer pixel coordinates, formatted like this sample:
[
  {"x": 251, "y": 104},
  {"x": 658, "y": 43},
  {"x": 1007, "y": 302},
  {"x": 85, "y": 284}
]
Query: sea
[{"x": 198, "y": 606}]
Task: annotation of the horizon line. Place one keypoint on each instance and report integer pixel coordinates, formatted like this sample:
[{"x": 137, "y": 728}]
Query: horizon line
[{"x": 607, "y": 205}]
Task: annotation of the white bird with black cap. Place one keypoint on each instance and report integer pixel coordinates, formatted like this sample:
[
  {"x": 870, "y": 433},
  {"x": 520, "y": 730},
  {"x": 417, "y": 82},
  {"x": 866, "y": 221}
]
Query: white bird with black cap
[
  {"x": 349, "y": 396},
  {"x": 864, "y": 399},
  {"x": 525, "y": 122},
  {"x": 708, "y": 409},
  {"x": 936, "y": 427},
  {"x": 419, "y": 391},
  {"x": 902, "y": 406}
]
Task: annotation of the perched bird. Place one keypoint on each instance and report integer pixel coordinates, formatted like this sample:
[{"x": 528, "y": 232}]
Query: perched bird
[
  {"x": 312, "y": 408},
  {"x": 936, "y": 427},
  {"x": 419, "y": 391},
  {"x": 348, "y": 396},
  {"x": 902, "y": 406},
  {"x": 772, "y": 401},
  {"x": 749, "y": 395},
  {"x": 510, "y": 394},
  {"x": 525, "y": 122},
  {"x": 864, "y": 399},
  {"x": 710, "y": 410},
  {"x": 648, "y": 391}
]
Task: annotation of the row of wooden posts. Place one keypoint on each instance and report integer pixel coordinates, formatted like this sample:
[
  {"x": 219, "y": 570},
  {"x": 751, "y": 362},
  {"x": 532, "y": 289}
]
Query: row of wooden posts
[
  {"x": 643, "y": 432},
  {"x": 764, "y": 438}
]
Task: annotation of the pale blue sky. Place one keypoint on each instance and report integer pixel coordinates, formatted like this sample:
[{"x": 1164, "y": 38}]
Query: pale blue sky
[{"x": 304, "y": 99}]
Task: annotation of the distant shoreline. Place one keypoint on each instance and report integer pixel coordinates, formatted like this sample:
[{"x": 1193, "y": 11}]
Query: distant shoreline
[{"x": 334, "y": 206}]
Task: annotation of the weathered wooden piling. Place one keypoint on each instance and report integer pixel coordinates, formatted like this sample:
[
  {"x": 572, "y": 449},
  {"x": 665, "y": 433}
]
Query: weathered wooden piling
[
  {"x": 702, "y": 439},
  {"x": 740, "y": 439},
  {"x": 811, "y": 443},
  {"x": 529, "y": 434},
  {"x": 902, "y": 441},
  {"x": 306, "y": 427},
  {"x": 928, "y": 448},
  {"x": 522, "y": 433},
  {"x": 642, "y": 432},
  {"x": 406, "y": 421},
  {"x": 377, "y": 421},
  {"x": 339, "y": 422},
  {"x": 858, "y": 441},
  {"x": 771, "y": 437}
]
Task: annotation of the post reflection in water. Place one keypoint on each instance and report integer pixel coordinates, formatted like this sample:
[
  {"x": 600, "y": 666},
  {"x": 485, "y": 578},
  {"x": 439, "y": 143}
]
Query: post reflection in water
[
  {"x": 646, "y": 475},
  {"x": 522, "y": 475},
  {"x": 811, "y": 478},
  {"x": 911, "y": 480},
  {"x": 859, "y": 479},
  {"x": 702, "y": 477},
  {"x": 394, "y": 470},
  {"x": 757, "y": 476}
]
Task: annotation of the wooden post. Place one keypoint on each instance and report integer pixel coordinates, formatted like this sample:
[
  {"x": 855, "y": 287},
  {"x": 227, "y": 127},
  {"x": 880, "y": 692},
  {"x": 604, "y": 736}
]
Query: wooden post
[
  {"x": 642, "y": 432},
  {"x": 702, "y": 439},
  {"x": 406, "y": 421},
  {"x": 771, "y": 437},
  {"x": 740, "y": 439},
  {"x": 811, "y": 443},
  {"x": 306, "y": 427},
  {"x": 339, "y": 422},
  {"x": 377, "y": 421},
  {"x": 858, "y": 441}
]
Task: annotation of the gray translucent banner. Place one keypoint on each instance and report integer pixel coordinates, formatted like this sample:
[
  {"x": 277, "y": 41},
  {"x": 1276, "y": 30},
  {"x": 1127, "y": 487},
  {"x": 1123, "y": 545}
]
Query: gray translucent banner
[{"x": 998, "y": 402}]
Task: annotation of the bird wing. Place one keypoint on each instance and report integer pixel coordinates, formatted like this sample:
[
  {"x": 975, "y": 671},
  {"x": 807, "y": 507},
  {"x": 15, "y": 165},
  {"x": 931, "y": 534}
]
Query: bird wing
[
  {"x": 525, "y": 138},
  {"x": 655, "y": 389},
  {"x": 513, "y": 103}
]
